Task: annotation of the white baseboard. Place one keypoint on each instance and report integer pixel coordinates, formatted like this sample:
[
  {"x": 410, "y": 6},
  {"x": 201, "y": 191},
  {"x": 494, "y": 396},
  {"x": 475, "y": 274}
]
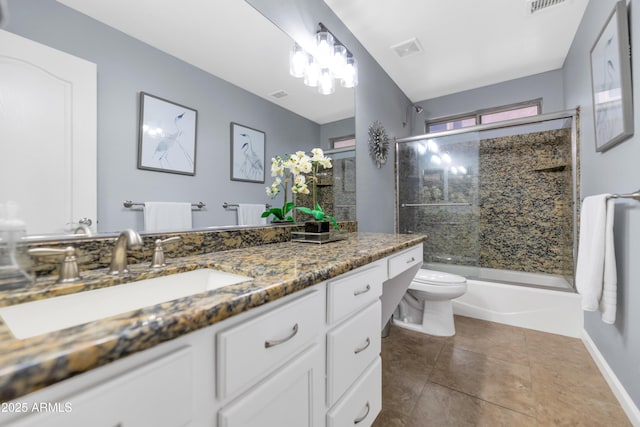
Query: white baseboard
[{"x": 629, "y": 407}]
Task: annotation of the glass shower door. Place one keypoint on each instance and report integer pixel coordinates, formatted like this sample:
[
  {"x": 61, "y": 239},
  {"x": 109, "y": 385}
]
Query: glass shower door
[{"x": 438, "y": 195}]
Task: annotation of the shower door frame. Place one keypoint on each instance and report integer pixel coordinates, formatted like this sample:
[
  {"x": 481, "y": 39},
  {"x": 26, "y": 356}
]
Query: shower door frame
[{"x": 566, "y": 114}]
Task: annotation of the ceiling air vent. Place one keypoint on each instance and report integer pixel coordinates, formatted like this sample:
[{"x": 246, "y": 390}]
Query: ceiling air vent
[
  {"x": 407, "y": 48},
  {"x": 279, "y": 94},
  {"x": 538, "y": 5}
]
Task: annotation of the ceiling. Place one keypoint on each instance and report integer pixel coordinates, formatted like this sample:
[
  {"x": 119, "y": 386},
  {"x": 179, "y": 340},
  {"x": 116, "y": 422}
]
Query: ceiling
[
  {"x": 227, "y": 38},
  {"x": 464, "y": 44}
]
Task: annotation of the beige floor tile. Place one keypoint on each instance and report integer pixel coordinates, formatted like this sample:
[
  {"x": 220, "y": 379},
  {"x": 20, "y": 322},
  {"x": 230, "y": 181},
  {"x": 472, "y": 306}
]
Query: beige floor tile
[
  {"x": 492, "y": 339},
  {"x": 570, "y": 385},
  {"x": 558, "y": 352},
  {"x": 480, "y": 378},
  {"x": 390, "y": 418},
  {"x": 401, "y": 389},
  {"x": 561, "y": 409},
  {"x": 440, "y": 407},
  {"x": 497, "y": 381},
  {"x": 410, "y": 351}
]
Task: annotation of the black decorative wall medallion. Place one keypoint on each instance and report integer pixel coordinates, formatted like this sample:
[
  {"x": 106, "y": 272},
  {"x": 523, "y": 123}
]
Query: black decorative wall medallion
[{"x": 378, "y": 143}]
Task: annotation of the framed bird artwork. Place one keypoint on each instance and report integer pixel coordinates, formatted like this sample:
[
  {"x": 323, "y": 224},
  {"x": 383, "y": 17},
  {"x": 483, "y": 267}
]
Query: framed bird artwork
[
  {"x": 248, "y": 147},
  {"x": 167, "y": 136}
]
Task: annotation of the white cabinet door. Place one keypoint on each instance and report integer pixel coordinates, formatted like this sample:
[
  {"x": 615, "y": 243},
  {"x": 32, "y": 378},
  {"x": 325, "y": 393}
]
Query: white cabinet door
[
  {"x": 159, "y": 394},
  {"x": 291, "y": 397},
  {"x": 47, "y": 134}
]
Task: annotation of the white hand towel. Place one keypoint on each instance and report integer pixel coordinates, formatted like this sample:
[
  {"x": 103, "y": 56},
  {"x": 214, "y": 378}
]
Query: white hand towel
[
  {"x": 596, "y": 266},
  {"x": 159, "y": 216},
  {"x": 609, "y": 299},
  {"x": 249, "y": 214}
]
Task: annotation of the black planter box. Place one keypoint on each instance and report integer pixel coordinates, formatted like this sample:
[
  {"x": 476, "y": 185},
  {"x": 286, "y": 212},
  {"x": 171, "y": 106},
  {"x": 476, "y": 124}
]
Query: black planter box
[{"x": 317, "y": 226}]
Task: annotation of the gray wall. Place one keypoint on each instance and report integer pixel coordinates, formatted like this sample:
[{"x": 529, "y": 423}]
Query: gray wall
[
  {"x": 126, "y": 67},
  {"x": 337, "y": 129},
  {"x": 377, "y": 98},
  {"x": 548, "y": 86},
  {"x": 613, "y": 171}
]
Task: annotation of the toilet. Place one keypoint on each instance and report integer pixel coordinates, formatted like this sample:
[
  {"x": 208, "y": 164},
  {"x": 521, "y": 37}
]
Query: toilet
[{"x": 426, "y": 306}]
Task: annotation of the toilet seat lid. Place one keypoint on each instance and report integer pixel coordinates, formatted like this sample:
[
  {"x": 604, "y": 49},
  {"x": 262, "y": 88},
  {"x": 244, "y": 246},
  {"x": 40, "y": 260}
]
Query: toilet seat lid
[{"x": 430, "y": 276}]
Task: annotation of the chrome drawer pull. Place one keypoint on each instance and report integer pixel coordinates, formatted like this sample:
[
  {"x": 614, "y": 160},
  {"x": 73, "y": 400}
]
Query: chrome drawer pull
[
  {"x": 362, "y": 291},
  {"x": 360, "y": 419},
  {"x": 361, "y": 349},
  {"x": 273, "y": 343},
  {"x": 411, "y": 260}
]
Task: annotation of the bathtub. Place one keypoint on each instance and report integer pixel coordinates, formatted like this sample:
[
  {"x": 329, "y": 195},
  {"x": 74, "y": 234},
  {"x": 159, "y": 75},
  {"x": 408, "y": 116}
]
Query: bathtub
[{"x": 548, "y": 304}]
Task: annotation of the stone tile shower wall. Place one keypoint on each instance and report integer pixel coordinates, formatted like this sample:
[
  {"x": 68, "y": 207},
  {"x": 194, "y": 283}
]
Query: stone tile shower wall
[
  {"x": 512, "y": 210},
  {"x": 526, "y": 203}
]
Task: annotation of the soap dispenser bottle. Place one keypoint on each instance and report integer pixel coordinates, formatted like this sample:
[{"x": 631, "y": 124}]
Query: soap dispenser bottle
[{"x": 12, "y": 229}]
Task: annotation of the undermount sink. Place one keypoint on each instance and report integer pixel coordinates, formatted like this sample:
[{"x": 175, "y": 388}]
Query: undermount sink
[{"x": 52, "y": 314}]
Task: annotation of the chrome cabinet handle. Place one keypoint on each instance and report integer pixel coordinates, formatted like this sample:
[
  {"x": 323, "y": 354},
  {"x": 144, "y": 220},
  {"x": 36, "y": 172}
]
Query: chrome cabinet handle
[
  {"x": 411, "y": 260},
  {"x": 362, "y": 291},
  {"x": 363, "y": 348},
  {"x": 360, "y": 419},
  {"x": 273, "y": 343}
]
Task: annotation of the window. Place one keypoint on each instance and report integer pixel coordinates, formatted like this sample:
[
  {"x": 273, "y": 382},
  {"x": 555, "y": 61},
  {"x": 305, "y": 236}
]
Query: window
[
  {"x": 344, "y": 142},
  {"x": 508, "y": 112}
]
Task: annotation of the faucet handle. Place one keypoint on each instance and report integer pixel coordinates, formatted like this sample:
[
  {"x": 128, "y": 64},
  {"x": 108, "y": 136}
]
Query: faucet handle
[
  {"x": 68, "y": 268},
  {"x": 158, "y": 253}
]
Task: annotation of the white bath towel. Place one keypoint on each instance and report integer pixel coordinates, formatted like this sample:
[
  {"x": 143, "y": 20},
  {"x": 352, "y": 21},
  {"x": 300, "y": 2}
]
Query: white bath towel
[
  {"x": 159, "y": 216},
  {"x": 596, "y": 279},
  {"x": 249, "y": 214}
]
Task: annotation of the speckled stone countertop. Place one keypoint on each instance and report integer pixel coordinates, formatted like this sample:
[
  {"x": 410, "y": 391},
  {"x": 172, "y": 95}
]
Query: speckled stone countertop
[{"x": 278, "y": 270}]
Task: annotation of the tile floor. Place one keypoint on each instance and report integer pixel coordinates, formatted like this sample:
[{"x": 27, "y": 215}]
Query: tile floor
[{"x": 490, "y": 374}]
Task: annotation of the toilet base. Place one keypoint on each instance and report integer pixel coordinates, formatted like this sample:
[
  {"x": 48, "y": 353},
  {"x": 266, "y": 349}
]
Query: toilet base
[{"x": 437, "y": 320}]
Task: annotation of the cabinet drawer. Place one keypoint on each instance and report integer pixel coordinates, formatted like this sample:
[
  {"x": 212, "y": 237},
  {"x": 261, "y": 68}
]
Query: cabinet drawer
[
  {"x": 292, "y": 396},
  {"x": 348, "y": 294},
  {"x": 155, "y": 395},
  {"x": 351, "y": 347},
  {"x": 404, "y": 260},
  {"x": 362, "y": 403},
  {"x": 249, "y": 351}
]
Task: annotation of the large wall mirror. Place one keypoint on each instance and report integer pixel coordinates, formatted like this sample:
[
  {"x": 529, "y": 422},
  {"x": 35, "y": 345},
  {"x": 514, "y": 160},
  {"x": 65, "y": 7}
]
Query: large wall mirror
[{"x": 222, "y": 59}]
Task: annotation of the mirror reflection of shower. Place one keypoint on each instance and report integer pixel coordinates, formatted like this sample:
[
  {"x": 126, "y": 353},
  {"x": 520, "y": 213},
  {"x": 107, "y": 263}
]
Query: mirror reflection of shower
[
  {"x": 344, "y": 181},
  {"x": 495, "y": 200}
]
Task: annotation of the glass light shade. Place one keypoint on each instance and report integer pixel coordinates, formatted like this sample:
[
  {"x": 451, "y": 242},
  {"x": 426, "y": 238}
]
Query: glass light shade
[
  {"x": 312, "y": 74},
  {"x": 350, "y": 73},
  {"x": 326, "y": 84},
  {"x": 324, "y": 48},
  {"x": 298, "y": 61},
  {"x": 339, "y": 60}
]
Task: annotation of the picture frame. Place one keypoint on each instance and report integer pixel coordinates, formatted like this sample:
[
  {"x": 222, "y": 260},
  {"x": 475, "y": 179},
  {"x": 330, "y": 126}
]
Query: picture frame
[
  {"x": 167, "y": 136},
  {"x": 248, "y": 150},
  {"x": 611, "y": 81}
]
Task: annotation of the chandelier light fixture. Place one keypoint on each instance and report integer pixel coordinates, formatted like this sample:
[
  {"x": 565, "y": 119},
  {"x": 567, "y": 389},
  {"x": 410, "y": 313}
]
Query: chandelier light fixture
[{"x": 328, "y": 63}]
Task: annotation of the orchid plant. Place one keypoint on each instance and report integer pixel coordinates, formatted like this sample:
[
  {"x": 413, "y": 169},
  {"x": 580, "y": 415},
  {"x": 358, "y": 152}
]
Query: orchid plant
[
  {"x": 292, "y": 169},
  {"x": 287, "y": 170},
  {"x": 314, "y": 163}
]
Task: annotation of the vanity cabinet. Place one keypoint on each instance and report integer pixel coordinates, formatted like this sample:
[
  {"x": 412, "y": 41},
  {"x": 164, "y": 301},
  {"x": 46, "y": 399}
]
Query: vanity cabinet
[
  {"x": 311, "y": 358},
  {"x": 159, "y": 393},
  {"x": 353, "y": 346},
  {"x": 278, "y": 356}
]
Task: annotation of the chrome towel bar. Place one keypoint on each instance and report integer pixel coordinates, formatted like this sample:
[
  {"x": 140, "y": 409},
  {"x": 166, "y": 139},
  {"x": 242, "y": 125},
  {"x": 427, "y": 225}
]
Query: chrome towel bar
[
  {"x": 226, "y": 205},
  {"x": 635, "y": 196},
  {"x": 129, "y": 204}
]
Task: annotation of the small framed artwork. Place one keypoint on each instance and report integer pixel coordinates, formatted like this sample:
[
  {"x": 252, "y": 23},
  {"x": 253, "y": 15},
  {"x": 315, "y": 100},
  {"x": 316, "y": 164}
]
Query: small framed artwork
[
  {"x": 167, "y": 136},
  {"x": 611, "y": 81},
  {"x": 248, "y": 147}
]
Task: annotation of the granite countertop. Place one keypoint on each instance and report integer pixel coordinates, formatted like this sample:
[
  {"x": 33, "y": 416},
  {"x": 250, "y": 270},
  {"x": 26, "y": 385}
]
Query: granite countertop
[{"x": 278, "y": 270}]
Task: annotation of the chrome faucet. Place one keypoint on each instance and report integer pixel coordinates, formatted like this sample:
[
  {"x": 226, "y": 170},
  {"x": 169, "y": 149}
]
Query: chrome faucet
[{"x": 127, "y": 239}]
